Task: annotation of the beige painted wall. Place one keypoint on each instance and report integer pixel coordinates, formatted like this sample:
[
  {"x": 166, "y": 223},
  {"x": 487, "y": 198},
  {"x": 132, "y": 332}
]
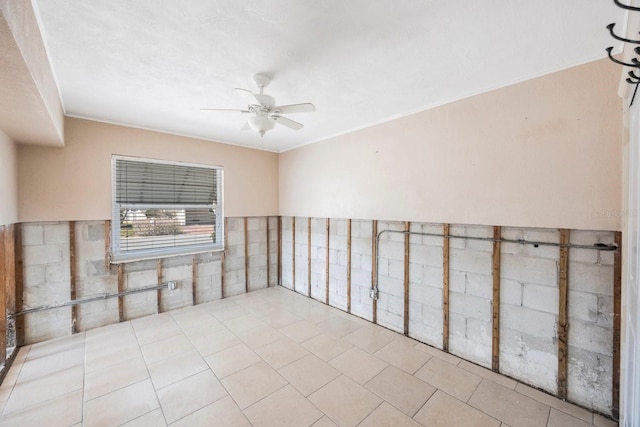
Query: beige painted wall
[
  {"x": 543, "y": 153},
  {"x": 74, "y": 182},
  {"x": 8, "y": 180}
]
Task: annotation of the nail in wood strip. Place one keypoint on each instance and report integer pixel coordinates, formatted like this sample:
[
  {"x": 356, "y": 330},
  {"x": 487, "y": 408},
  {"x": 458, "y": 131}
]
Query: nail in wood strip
[
  {"x": 445, "y": 288},
  {"x": 246, "y": 255},
  {"x": 374, "y": 269},
  {"x": 617, "y": 302},
  {"x": 407, "y": 227},
  {"x": 121, "y": 289},
  {"x": 309, "y": 257},
  {"x": 72, "y": 275},
  {"x": 349, "y": 265},
  {"x": 194, "y": 279},
  {"x": 159, "y": 294},
  {"x": 326, "y": 297},
  {"x": 563, "y": 320},
  {"x": 495, "y": 306}
]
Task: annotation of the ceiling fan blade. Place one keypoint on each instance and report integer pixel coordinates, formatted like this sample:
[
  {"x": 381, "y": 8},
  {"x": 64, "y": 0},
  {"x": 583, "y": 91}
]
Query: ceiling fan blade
[
  {"x": 225, "y": 109},
  {"x": 287, "y": 122},
  {"x": 295, "y": 108},
  {"x": 249, "y": 96}
]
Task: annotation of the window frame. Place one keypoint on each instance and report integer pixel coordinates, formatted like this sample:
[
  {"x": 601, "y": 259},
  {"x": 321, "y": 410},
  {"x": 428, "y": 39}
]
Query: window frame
[{"x": 117, "y": 256}]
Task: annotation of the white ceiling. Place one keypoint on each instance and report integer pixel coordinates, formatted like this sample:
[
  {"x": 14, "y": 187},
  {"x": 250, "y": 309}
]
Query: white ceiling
[{"x": 153, "y": 64}]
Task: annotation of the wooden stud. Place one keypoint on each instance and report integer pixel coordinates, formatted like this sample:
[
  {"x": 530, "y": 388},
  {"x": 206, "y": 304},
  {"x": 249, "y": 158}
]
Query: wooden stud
[
  {"x": 563, "y": 318},
  {"x": 279, "y": 279},
  {"x": 309, "y": 258},
  {"x": 194, "y": 280},
  {"x": 268, "y": 255},
  {"x": 120, "y": 290},
  {"x": 407, "y": 228},
  {"x": 10, "y": 267},
  {"x": 445, "y": 287},
  {"x": 495, "y": 348},
  {"x": 159, "y": 293},
  {"x": 107, "y": 245},
  {"x": 223, "y": 256},
  {"x": 293, "y": 250},
  {"x": 349, "y": 265},
  {"x": 19, "y": 284},
  {"x": 246, "y": 255},
  {"x": 617, "y": 302},
  {"x": 374, "y": 269},
  {"x": 3, "y": 299},
  {"x": 72, "y": 276},
  {"x": 326, "y": 295}
]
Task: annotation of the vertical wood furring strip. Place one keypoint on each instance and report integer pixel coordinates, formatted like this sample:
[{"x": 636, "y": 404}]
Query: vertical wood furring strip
[
  {"x": 293, "y": 250},
  {"x": 194, "y": 280},
  {"x": 309, "y": 258},
  {"x": 223, "y": 256},
  {"x": 326, "y": 289},
  {"x": 19, "y": 284},
  {"x": 10, "y": 268},
  {"x": 279, "y": 278},
  {"x": 445, "y": 287},
  {"x": 158, "y": 293},
  {"x": 246, "y": 256},
  {"x": 3, "y": 299},
  {"x": 407, "y": 242},
  {"x": 374, "y": 270},
  {"x": 349, "y": 265},
  {"x": 121, "y": 289},
  {"x": 72, "y": 275},
  {"x": 563, "y": 319},
  {"x": 495, "y": 303},
  {"x": 107, "y": 245},
  {"x": 268, "y": 255},
  {"x": 617, "y": 302}
]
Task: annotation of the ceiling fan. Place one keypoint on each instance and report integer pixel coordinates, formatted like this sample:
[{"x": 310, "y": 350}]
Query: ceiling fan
[{"x": 264, "y": 109}]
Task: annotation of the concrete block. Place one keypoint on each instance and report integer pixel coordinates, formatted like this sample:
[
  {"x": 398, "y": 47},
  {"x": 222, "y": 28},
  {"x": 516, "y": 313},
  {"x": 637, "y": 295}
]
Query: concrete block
[
  {"x": 234, "y": 264},
  {"x": 432, "y": 276},
  {"x": 588, "y": 238},
  {"x": 34, "y": 275},
  {"x": 457, "y": 325},
  {"x": 583, "y": 306},
  {"x": 146, "y": 265},
  {"x": 140, "y": 279},
  {"x": 527, "y": 250},
  {"x": 56, "y": 233},
  {"x": 95, "y": 231},
  {"x": 256, "y": 223},
  {"x": 390, "y": 285},
  {"x": 605, "y": 311},
  {"x": 583, "y": 255},
  {"x": 92, "y": 286},
  {"x": 390, "y": 321},
  {"x": 209, "y": 268},
  {"x": 528, "y": 321},
  {"x": 396, "y": 269},
  {"x": 235, "y": 238},
  {"x": 426, "y": 255},
  {"x": 426, "y": 295},
  {"x": 589, "y": 379},
  {"x": 470, "y": 261},
  {"x": 593, "y": 278},
  {"x": 511, "y": 292},
  {"x": 470, "y": 306},
  {"x": 415, "y": 273},
  {"x": 479, "y": 285},
  {"x": 457, "y": 281},
  {"x": 42, "y": 254},
  {"x": 542, "y": 298},
  {"x": 32, "y": 233},
  {"x": 235, "y": 224},
  {"x": 258, "y": 236},
  {"x": 591, "y": 337},
  {"x": 90, "y": 250},
  {"x": 530, "y": 270},
  {"x": 391, "y": 250},
  {"x": 92, "y": 268}
]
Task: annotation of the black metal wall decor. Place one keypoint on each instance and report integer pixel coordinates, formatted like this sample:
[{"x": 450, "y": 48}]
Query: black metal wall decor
[{"x": 634, "y": 74}]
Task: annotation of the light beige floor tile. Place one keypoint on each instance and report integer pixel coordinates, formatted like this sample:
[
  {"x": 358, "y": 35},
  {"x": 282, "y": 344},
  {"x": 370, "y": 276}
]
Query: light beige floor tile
[
  {"x": 345, "y": 402},
  {"x": 279, "y": 319},
  {"x": 253, "y": 383},
  {"x": 395, "y": 336},
  {"x": 231, "y": 360},
  {"x": 63, "y": 411},
  {"x": 152, "y": 321},
  {"x": 57, "y": 345},
  {"x": 326, "y": 422},
  {"x": 243, "y": 323},
  {"x": 386, "y": 415},
  {"x": 131, "y": 402},
  {"x": 282, "y": 352},
  {"x": 225, "y": 412},
  {"x": 338, "y": 326},
  {"x": 106, "y": 380},
  {"x": 168, "y": 347},
  {"x": 192, "y": 317},
  {"x": 301, "y": 331},
  {"x": 450, "y": 358},
  {"x": 153, "y": 418},
  {"x": 561, "y": 405},
  {"x": 212, "y": 342},
  {"x": 207, "y": 326},
  {"x": 309, "y": 374},
  {"x": 189, "y": 395},
  {"x": 49, "y": 364},
  {"x": 560, "y": 419},
  {"x": 600, "y": 421},
  {"x": 509, "y": 406},
  {"x": 41, "y": 389},
  {"x": 449, "y": 378},
  {"x": 228, "y": 311},
  {"x": 176, "y": 368},
  {"x": 285, "y": 407},
  {"x": 158, "y": 332},
  {"x": 402, "y": 356},
  {"x": 367, "y": 339},
  {"x": 488, "y": 374},
  {"x": 111, "y": 356},
  {"x": 259, "y": 336},
  {"x": 326, "y": 347},
  {"x": 443, "y": 410},
  {"x": 402, "y": 390},
  {"x": 358, "y": 365}
]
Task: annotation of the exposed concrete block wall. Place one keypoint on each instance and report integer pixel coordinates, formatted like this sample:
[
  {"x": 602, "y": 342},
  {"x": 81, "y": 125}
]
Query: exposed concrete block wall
[
  {"x": 390, "y": 311},
  {"x": 302, "y": 255},
  {"x": 47, "y": 266},
  {"x": 471, "y": 294},
  {"x": 590, "y": 363},
  {"x": 361, "y": 264},
  {"x": 529, "y": 296},
  {"x": 338, "y": 263},
  {"x": 287, "y": 252},
  {"x": 425, "y": 284}
]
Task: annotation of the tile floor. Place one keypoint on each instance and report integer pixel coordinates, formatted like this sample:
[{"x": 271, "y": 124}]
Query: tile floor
[{"x": 268, "y": 358}]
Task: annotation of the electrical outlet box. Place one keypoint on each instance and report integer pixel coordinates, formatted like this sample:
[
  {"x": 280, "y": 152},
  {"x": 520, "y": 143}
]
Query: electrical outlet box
[{"x": 172, "y": 285}]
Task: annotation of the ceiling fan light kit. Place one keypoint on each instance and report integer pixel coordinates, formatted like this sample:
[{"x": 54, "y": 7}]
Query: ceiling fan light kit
[{"x": 266, "y": 112}]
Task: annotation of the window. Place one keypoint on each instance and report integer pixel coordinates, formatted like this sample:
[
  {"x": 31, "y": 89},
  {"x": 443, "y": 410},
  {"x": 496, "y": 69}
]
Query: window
[{"x": 162, "y": 208}]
